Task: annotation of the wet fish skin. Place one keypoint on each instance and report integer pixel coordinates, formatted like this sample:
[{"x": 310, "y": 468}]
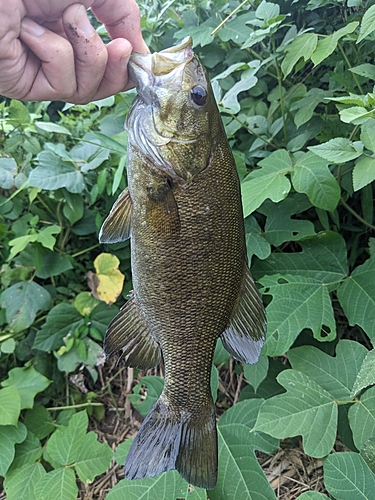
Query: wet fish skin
[{"x": 191, "y": 281}]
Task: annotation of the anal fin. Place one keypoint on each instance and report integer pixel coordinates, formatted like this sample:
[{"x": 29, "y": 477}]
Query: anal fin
[
  {"x": 129, "y": 332},
  {"x": 244, "y": 337},
  {"x": 117, "y": 226}
]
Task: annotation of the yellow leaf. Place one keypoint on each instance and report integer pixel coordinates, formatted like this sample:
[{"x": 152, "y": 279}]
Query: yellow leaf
[{"x": 106, "y": 284}]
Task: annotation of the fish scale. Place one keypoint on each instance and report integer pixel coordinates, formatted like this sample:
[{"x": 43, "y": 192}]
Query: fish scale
[{"x": 191, "y": 282}]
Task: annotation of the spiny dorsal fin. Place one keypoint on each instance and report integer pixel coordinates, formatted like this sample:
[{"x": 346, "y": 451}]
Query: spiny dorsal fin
[
  {"x": 162, "y": 210},
  {"x": 245, "y": 334},
  {"x": 117, "y": 226},
  {"x": 129, "y": 332}
]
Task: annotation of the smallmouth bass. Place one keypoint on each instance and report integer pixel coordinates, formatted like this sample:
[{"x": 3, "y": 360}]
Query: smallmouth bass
[{"x": 183, "y": 211}]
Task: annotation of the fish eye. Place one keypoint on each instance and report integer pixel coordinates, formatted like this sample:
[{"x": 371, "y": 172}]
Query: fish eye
[{"x": 198, "y": 95}]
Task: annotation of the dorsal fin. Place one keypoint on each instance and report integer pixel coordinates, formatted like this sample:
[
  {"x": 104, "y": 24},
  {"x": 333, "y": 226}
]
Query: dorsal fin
[
  {"x": 245, "y": 334},
  {"x": 117, "y": 226}
]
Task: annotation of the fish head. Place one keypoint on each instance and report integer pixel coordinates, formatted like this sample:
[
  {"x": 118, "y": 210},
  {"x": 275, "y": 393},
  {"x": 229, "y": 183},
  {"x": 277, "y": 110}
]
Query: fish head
[{"x": 172, "y": 119}]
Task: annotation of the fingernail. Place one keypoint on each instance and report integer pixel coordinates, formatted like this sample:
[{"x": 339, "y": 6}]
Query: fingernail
[
  {"x": 32, "y": 28},
  {"x": 124, "y": 60},
  {"x": 83, "y": 23}
]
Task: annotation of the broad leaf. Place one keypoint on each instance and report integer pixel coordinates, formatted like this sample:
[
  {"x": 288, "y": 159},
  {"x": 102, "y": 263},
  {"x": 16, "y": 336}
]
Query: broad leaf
[
  {"x": 255, "y": 374},
  {"x": 368, "y": 453},
  {"x": 9, "y": 436},
  {"x": 328, "y": 44},
  {"x": 310, "y": 175},
  {"x": 28, "y": 382},
  {"x": 93, "y": 459},
  {"x": 27, "y": 452},
  {"x": 8, "y": 168},
  {"x": 338, "y": 150},
  {"x": 302, "y": 46},
  {"x": 305, "y": 409},
  {"x": 357, "y": 297},
  {"x": 22, "y": 301},
  {"x": 368, "y": 133},
  {"x": 38, "y": 420},
  {"x": 230, "y": 99},
  {"x": 363, "y": 172},
  {"x": 255, "y": 242},
  {"x": 10, "y": 404},
  {"x": 20, "y": 483},
  {"x": 362, "y": 418},
  {"x": 59, "y": 484},
  {"x": 367, "y": 24},
  {"x": 298, "y": 302},
  {"x": 143, "y": 399},
  {"x": 366, "y": 374},
  {"x": 347, "y": 477},
  {"x": 107, "y": 283},
  {"x": 335, "y": 374},
  {"x": 306, "y": 105},
  {"x": 267, "y": 182}
]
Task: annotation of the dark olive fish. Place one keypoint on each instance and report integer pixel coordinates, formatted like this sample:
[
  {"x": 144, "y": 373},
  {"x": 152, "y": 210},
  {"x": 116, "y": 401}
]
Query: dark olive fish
[{"x": 182, "y": 209}]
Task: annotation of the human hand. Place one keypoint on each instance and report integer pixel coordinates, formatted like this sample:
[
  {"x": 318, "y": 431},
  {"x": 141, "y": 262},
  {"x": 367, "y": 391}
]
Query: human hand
[{"x": 50, "y": 51}]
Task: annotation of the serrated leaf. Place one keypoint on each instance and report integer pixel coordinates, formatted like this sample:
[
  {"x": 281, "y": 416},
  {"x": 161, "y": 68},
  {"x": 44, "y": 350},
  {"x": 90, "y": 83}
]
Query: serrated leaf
[
  {"x": 362, "y": 418},
  {"x": 367, "y": 24},
  {"x": 337, "y": 150},
  {"x": 355, "y": 115},
  {"x": 368, "y": 133},
  {"x": 10, "y": 404},
  {"x": 29, "y": 451},
  {"x": 53, "y": 173},
  {"x": 93, "y": 459},
  {"x": 154, "y": 385},
  {"x": 334, "y": 374},
  {"x": 20, "y": 483},
  {"x": 255, "y": 374},
  {"x": 306, "y": 409},
  {"x": 298, "y": 303},
  {"x": 328, "y": 44},
  {"x": 107, "y": 283},
  {"x": 363, "y": 172},
  {"x": 347, "y": 477},
  {"x": 22, "y": 301},
  {"x": 307, "y": 105},
  {"x": 59, "y": 484},
  {"x": 367, "y": 70},
  {"x": 28, "y": 382},
  {"x": 302, "y": 46},
  {"x": 61, "y": 320},
  {"x": 237, "y": 463},
  {"x": 52, "y": 127},
  {"x": 311, "y": 175},
  {"x": 38, "y": 420},
  {"x": 323, "y": 258},
  {"x": 357, "y": 297},
  {"x": 64, "y": 446},
  {"x": 236, "y": 29},
  {"x": 366, "y": 374},
  {"x": 267, "y": 182},
  {"x": 9, "y": 436}
]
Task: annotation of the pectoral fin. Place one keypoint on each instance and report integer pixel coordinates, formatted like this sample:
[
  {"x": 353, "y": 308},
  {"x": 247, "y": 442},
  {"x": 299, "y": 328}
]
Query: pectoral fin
[
  {"x": 162, "y": 210},
  {"x": 245, "y": 334},
  {"x": 117, "y": 226},
  {"x": 130, "y": 333}
]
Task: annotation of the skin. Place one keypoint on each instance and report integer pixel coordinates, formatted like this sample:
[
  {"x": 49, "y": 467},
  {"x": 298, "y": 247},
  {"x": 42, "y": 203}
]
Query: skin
[{"x": 50, "y": 51}]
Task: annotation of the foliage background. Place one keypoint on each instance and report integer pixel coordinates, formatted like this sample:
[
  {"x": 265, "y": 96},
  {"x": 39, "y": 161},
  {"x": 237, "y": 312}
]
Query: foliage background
[{"x": 295, "y": 85}]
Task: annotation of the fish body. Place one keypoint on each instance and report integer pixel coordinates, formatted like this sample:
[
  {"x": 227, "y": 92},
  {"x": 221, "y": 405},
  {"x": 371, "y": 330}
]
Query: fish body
[{"x": 183, "y": 211}]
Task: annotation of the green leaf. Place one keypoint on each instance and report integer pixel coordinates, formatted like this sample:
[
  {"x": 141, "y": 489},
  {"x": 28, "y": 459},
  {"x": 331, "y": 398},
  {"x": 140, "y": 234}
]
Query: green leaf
[
  {"x": 73, "y": 208},
  {"x": 328, "y": 44},
  {"x": 20, "y": 483},
  {"x": 347, "y": 477},
  {"x": 368, "y": 453},
  {"x": 337, "y": 150},
  {"x": 237, "y": 463},
  {"x": 19, "y": 244},
  {"x": 53, "y": 173},
  {"x": 256, "y": 244},
  {"x": 365, "y": 375},
  {"x": 201, "y": 34},
  {"x": 298, "y": 303},
  {"x": 362, "y": 418},
  {"x": 368, "y": 134},
  {"x": 307, "y": 105},
  {"x": 61, "y": 320},
  {"x": 9, "y": 436},
  {"x": 255, "y": 374},
  {"x": 355, "y": 115},
  {"x": 28, "y": 382},
  {"x": 38, "y": 420},
  {"x": 267, "y": 182},
  {"x": 280, "y": 227},
  {"x": 64, "y": 446},
  {"x": 367, "y": 70},
  {"x": 28, "y": 451},
  {"x": 46, "y": 238},
  {"x": 302, "y": 46},
  {"x": 230, "y": 99},
  {"x": 310, "y": 175},
  {"x": 10, "y": 404},
  {"x": 363, "y": 172},
  {"x": 58, "y": 484},
  {"x": 93, "y": 459},
  {"x": 146, "y": 392},
  {"x": 334, "y": 374},
  {"x": 236, "y": 29},
  {"x": 22, "y": 301},
  {"x": 367, "y": 24},
  {"x": 323, "y": 258},
  {"x": 305, "y": 409},
  {"x": 52, "y": 127},
  {"x": 8, "y": 169},
  {"x": 357, "y": 297}
]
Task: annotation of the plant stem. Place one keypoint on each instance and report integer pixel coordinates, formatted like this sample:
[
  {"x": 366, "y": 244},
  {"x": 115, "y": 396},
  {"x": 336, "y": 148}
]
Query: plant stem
[
  {"x": 72, "y": 407},
  {"x": 357, "y": 216}
]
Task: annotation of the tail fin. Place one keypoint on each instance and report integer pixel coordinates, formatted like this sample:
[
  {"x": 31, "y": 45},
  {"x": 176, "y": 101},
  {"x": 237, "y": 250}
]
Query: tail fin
[{"x": 171, "y": 438}]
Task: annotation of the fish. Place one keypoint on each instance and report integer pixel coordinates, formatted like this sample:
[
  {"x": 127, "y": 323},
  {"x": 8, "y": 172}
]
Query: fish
[{"x": 191, "y": 283}]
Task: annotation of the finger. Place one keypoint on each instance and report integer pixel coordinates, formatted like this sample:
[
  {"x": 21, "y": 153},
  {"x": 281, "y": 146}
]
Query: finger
[
  {"x": 89, "y": 50},
  {"x": 115, "y": 78},
  {"x": 47, "y": 73},
  {"x": 122, "y": 20}
]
